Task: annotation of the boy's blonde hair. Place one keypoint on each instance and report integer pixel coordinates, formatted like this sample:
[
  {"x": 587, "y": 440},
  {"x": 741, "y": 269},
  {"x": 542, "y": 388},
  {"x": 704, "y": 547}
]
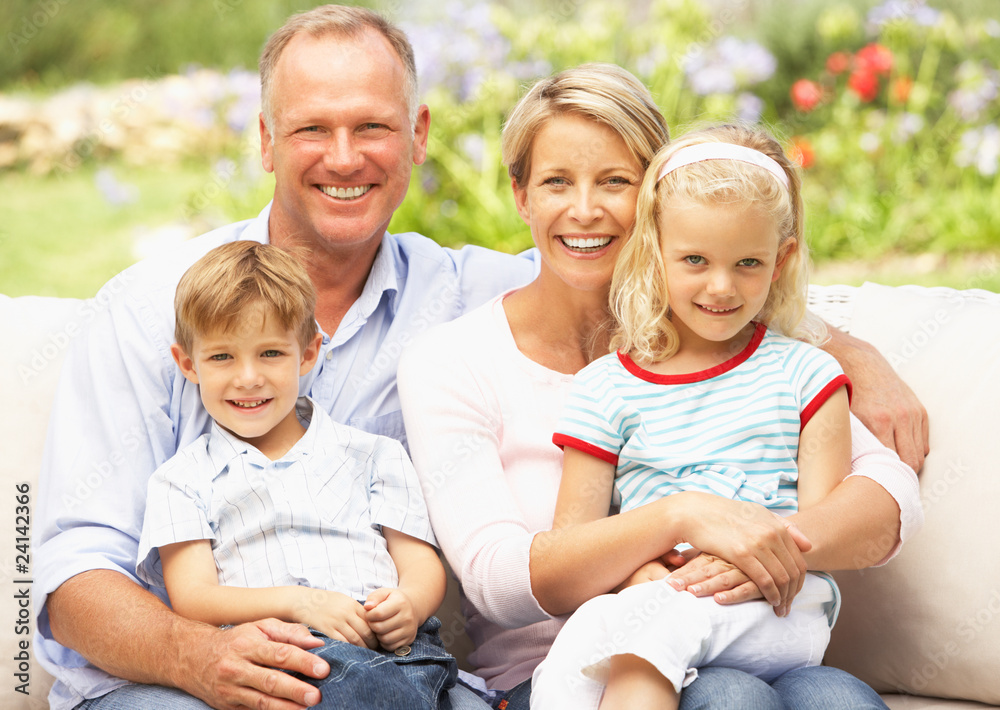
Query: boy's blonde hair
[
  {"x": 604, "y": 93},
  {"x": 238, "y": 281},
  {"x": 639, "y": 289}
]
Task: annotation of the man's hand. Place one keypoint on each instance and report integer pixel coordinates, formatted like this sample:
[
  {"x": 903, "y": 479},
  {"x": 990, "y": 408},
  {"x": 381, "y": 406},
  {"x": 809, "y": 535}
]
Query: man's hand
[
  {"x": 391, "y": 615},
  {"x": 881, "y": 400},
  {"x": 240, "y": 667}
]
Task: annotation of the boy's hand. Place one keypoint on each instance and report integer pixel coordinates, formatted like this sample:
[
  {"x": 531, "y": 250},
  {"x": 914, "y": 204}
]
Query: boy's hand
[
  {"x": 336, "y": 615},
  {"x": 390, "y": 614}
]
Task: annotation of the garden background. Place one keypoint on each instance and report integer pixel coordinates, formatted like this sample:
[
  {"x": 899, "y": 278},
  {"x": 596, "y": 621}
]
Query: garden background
[{"x": 128, "y": 125}]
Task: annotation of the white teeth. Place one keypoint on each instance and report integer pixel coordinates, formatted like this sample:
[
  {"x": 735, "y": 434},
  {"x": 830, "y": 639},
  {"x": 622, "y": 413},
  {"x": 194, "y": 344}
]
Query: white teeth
[
  {"x": 249, "y": 405},
  {"x": 586, "y": 243},
  {"x": 345, "y": 193},
  {"x": 717, "y": 310}
]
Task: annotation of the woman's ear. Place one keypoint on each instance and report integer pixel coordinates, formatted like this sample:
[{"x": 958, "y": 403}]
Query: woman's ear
[
  {"x": 785, "y": 250},
  {"x": 521, "y": 201},
  {"x": 185, "y": 363}
]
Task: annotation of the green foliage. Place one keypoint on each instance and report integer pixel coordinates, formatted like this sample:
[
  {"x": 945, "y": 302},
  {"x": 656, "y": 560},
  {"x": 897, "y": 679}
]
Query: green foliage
[{"x": 903, "y": 164}]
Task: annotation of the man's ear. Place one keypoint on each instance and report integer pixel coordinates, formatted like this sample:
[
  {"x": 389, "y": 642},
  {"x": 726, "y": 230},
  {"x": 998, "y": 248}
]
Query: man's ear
[
  {"x": 185, "y": 363},
  {"x": 311, "y": 354},
  {"x": 266, "y": 146},
  {"x": 784, "y": 251},
  {"x": 421, "y": 131}
]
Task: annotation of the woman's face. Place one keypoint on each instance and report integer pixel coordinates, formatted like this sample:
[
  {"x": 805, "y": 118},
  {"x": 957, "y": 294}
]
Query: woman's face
[{"x": 579, "y": 199}]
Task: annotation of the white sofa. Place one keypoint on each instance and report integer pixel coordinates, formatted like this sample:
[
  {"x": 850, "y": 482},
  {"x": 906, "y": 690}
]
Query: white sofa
[{"x": 923, "y": 630}]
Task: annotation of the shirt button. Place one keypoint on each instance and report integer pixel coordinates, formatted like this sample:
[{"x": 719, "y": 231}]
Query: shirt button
[
  {"x": 329, "y": 354},
  {"x": 402, "y": 651},
  {"x": 293, "y": 532}
]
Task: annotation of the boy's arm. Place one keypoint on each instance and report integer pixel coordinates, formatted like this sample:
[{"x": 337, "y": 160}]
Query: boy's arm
[
  {"x": 396, "y": 614},
  {"x": 191, "y": 579},
  {"x": 882, "y": 401}
]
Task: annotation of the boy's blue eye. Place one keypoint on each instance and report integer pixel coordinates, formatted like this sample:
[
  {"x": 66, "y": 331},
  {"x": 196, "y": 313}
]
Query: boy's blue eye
[
  {"x": 272, "y": 353},
  {"x": 219, "y": 356}
]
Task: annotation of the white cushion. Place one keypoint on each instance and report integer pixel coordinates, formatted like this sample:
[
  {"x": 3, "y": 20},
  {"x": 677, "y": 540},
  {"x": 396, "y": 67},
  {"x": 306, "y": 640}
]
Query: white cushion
[{"x": 928, "y": 623}]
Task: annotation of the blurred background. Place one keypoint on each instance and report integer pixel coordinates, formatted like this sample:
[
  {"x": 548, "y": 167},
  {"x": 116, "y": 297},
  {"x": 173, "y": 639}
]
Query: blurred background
[{"x": 127, "y": 126}]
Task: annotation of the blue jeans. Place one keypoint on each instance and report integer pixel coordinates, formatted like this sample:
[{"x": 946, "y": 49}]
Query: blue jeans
[
  {"x": 359, "y": 678},
  {"x": 812, "y": 688}
]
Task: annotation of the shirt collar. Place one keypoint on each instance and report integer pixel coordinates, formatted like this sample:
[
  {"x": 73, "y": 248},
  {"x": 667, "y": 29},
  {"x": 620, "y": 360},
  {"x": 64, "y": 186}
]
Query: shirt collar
[
  {"x": 224, "y": 446},
  {"x": 384, "y": 278}
]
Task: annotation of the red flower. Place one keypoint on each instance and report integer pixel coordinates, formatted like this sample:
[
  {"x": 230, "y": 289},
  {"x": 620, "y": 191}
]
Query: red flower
[
  {"x": 806, "y": 94},
  {"x": 900, "y": 89},
  {"x": 801, "y": 152},
  {"x": 864, "y": 84},
  {"x": 873, "y": 59},
  {"x": 838, "y": 62}
]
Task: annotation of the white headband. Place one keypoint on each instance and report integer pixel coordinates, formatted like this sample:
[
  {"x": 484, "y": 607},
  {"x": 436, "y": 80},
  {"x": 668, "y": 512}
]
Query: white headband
[{"x": 722, "y": 151}]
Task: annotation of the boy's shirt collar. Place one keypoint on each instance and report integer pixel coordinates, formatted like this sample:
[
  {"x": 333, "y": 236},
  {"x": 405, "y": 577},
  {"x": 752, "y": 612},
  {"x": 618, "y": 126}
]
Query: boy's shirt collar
[{"x": 224, "y": 446}]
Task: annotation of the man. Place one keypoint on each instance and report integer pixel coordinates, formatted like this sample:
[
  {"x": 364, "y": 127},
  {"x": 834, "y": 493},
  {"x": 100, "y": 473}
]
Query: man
[{"x": 340, "y": 129}]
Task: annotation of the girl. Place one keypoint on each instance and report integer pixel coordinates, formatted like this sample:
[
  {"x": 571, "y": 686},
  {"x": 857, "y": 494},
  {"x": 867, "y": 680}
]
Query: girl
[{"x": 711, "y": 391}]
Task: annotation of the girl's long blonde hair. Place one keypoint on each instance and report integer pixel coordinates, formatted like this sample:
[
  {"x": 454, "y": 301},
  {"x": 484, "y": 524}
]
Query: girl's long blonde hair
[{"x": 639, "y": 288}]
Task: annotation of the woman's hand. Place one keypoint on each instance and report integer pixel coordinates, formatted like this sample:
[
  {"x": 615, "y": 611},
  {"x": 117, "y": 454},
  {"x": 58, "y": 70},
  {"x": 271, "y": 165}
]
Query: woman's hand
[{"x": 766, "y": 548}]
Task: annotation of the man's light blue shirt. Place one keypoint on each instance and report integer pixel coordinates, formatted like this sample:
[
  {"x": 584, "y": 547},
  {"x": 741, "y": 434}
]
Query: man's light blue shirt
[{"x": 122, "y": 407}]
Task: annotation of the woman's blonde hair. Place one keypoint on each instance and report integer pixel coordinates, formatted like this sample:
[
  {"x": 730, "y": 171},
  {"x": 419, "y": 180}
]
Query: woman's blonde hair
[
  {"x": 239, "y": 281},
  {"x": 639, "y": 289},
  {"x": 604, "y": 93}
]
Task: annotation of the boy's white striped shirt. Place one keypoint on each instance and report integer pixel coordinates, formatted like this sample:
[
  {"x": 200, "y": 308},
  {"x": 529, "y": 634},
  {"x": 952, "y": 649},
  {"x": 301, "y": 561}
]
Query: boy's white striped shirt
[{"x": 732, "y": 430}]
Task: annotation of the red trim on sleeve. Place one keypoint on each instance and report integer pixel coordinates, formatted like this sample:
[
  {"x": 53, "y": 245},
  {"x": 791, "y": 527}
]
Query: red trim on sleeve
[
  {"x": 824, "y": 394},
  {"x": 563, "y": 440}
]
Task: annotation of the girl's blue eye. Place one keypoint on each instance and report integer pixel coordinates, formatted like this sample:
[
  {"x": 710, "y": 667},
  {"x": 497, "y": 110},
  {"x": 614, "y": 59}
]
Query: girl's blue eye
[
  {"x": 695, "y": 259},
  {"x": 749, "y": 262}
]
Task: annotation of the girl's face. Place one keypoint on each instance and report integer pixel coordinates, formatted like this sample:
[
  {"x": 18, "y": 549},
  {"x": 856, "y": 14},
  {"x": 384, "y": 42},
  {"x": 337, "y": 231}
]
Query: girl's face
[
  {"x": 720, "y": 262},
  {"x": 579, "y": 199}
]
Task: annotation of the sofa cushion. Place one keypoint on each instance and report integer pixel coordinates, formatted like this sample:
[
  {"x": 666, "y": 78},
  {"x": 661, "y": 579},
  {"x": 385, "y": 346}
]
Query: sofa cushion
[
  {"x": 38, "y": 331},
  {"x": 928, "y": 623}
]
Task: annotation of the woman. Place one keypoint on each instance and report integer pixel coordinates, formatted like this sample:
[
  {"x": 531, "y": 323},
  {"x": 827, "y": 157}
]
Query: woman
[{"x": 481, "y": 397}]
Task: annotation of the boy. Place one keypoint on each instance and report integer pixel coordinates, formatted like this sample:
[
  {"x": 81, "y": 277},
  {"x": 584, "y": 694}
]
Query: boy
[{"x": 280, "y": 512}]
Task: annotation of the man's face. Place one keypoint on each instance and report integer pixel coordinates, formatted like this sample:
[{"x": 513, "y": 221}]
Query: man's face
[{"x": 341, "y": 145}]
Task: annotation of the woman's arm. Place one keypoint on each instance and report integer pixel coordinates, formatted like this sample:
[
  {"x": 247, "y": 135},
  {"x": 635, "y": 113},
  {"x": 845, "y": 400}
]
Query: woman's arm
[
  {"x": 881, "y": 399},
  {"x": 191, "y": 579}
]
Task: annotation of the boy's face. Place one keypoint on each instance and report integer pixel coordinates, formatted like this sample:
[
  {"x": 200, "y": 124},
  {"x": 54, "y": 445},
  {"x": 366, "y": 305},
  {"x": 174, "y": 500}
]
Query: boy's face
[{"x": 249, "y": 380}]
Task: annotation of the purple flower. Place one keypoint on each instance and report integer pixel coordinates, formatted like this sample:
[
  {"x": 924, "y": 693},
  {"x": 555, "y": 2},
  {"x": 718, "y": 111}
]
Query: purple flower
[
  {"x": 115, "y": 193},
  {"x": 977, "y": 88},
  {"x": 728, "y": 65},
  {"x": 980, "y": 147},
  {"x": 896, "y": 10},
  {"x": 749, "y": 107}
]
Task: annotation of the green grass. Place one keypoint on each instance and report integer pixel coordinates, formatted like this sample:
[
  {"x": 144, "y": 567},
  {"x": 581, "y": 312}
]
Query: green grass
[{"x": 60, "y": 237}]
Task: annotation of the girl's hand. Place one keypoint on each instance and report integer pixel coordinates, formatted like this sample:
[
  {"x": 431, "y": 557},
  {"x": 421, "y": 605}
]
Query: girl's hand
[
  {"x": 391, "y": 615},
  {"x": 706, "y": 575},
  {"x": 334, "y": 614},
  {"x": 649, "y": 572},
  {"x": 767, "y": 548}
]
